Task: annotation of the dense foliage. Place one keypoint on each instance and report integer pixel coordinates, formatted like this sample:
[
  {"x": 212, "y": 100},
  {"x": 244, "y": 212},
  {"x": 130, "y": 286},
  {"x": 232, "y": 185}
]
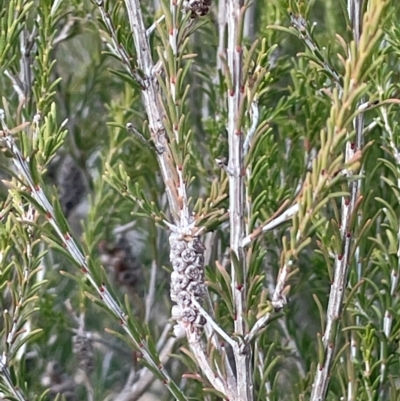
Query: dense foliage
[{"x": 254, "y": 146}]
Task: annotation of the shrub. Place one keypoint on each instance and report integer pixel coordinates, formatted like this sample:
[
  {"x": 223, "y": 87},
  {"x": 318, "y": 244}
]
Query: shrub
[{"x": 199, "y": 200}]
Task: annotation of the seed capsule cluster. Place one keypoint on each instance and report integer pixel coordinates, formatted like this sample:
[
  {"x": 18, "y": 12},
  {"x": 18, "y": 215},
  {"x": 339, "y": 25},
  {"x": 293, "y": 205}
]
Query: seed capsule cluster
[
  {"x": 71, "y": 185},
  {"x": 187, "y": 279},
  {"x": 83, "y": 349},
  {"x": 197, "y": 8}
]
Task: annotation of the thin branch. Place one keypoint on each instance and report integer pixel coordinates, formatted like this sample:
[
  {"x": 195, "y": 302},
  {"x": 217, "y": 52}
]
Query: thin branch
[
  {"x": 255, "y": 115},
  {"x": 300, "y": 24},
  {"x": 235, "y": 15},
  {"x": 117, "y": 48},
  {"x": 202, "y": 359},
  {"x": 341, "y": 264},
  {"x": 153, "y": 107},
  {"x": 285, "y": 216},
  {"x": 250, "y": 21},
  {"x": 221, "y": 34},
  {"x": 214, "y": 325},
  {"x": 7, "y": 379},
  {"x": 153, "y": 27},
  {"x": 152, "y": 291},
  {"x": 258, "y": 326}
]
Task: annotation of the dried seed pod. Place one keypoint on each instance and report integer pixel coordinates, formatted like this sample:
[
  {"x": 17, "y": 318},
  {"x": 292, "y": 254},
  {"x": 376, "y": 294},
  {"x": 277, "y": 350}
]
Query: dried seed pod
[
  {"x": 71, "y": 185},
  {"x": 196, "y": 8},
  {"x": 83, "y": 349},
  {"x": 124, "y": 266}
]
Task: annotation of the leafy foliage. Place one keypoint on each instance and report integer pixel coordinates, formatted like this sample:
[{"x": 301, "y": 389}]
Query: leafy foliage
[{"x": 88, "y": 317}]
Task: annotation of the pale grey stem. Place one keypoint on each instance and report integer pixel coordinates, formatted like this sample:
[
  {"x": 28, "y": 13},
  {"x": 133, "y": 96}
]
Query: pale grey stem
[
  {"x": 124, "y": 228},
  {"x": 156, "y": 4},
  {"x": 153, "y": 27},
  {"x": 210, "y": 240},
  {"x": 173, "y": 42},
  {"x": 17, "y": 85},
  {"x": 278, "y": 297},
  {"x": 65, "y": 32},
  {"x": 258, "y": 326},
  {"x": 116, "y": 47},
  {"x": 355, "y": 15},
  {"x": 261, "y": 369},
  {"x": 249, "y": 28},
  {"x": 213, "y": 324},
  {"x": 255, "y": 115},
  {"x": 172, "y": 176},
  {"x": 221, "y": 32},
  {"x": 237, "y": 195},
  {"x": 26, "y": 62},
  {"x": 285, "y": 216},
  {"x": 212, "y": 335},
  {"x": 215, "y": 379},
  {"x": 221, "y": 348},
  {"x": 337, "y": 289},
  {"x": 163, "y": 337},
  {"x": 300, "y": 24},
  {"x": 152, "y": 290},
  {"x": 153, "y": 106},
  {"x": 341, "y": 263},
  {"x": 7, "y": 379}
]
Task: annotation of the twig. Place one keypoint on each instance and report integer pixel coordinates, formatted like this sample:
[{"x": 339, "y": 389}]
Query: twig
[
  {"x": 117, "y": 48},
  {"x": 285, "y": 216},
  {"x": 215, "y": 379},
  {"x": 221, "y": 34},
  {"x": 153, "y": 27},
  {"x": 6, "y": 375},
  {"x": 300, "y": 24},
  {"x": 258, "y": 326},
  {"x": 17, "y": 85},
  {"x": 249, "y": 21},
  {"x": 153, "y": 107},
  {"x": 152, "y": 290},
  {"x": 255, "y": 114},
  {"x": 214, "y": 325},
  {"x": 64, "y": 33},
  {"x": 235, "y": 15},
  {"x": 341, "y": 264}
]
